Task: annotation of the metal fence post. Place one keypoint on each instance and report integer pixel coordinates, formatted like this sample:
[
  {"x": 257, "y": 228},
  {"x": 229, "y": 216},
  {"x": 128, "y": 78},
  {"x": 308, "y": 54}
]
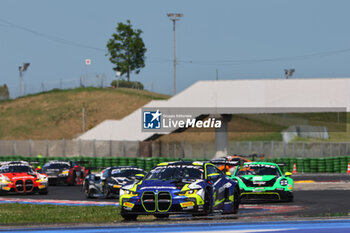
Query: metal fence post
[
  {"x": 331, "y": 149},
  {"x": 13, "y": 147},
  {"x": 182, "y": 146},
  {"x": 47, "y": 148},
  {"x": 167, "y": 150},
  {"x": 191, "y": 156},
  {"x": 30, "y": 147},
  {"x": 204, "y": 150},
  {"x": 94, "y": 148},
  {"x": 153, "y": 148},
  {"x": 250, "y": 147},
  {"x": 303, "y": 149},
  {"x": 110, "y": 148},
  {"x": 272, "y": 152},
  {"x": 124, "y": 148},
  {"x": 80, "y": 147},
  {"x": 63, "y": 147}
]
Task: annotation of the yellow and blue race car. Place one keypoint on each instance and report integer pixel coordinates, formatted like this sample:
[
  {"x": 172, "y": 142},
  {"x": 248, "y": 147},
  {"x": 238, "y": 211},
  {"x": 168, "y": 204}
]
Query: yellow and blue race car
[{"x": 197, "y": 188}]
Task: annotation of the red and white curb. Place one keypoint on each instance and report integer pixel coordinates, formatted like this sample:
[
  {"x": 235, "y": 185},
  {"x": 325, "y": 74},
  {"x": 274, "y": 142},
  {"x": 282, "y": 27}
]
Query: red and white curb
[{"x": 56, "y": 202}]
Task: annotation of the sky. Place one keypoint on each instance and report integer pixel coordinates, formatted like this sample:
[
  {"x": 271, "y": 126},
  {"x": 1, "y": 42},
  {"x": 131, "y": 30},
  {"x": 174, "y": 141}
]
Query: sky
[{"x": 235, "y": 39}]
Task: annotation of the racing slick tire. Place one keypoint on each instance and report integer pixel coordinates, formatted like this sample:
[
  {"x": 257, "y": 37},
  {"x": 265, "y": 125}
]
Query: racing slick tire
[
  {"x": 236, "y": 200},
  {"x": 208, "y": 205},
  {"x": 87, "y": 191},
  {"x": 74, "y": 180},
  {"x": 43, "y": 192},
  {"x": 106, "y": 192},
  {"x": 161, "y": 216},
  {"x": 129, "y": 217}
]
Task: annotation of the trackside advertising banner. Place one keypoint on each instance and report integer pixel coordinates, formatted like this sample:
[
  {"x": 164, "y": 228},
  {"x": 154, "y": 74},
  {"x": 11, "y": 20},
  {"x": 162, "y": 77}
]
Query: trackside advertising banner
[{"x": 165, "y": 120}]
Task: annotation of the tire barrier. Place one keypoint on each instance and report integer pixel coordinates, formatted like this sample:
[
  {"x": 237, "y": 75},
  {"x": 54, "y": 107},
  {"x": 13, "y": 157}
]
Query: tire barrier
[{"x": 338, "y": 164}]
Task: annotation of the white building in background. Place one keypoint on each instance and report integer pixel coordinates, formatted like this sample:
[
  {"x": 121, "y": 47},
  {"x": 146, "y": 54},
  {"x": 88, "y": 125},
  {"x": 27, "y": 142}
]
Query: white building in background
[{"x": 243, "y": 96}]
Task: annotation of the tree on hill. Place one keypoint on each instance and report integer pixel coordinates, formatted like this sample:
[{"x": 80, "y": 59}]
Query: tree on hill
[
  {"x": 126, "y": 49},
  {"x": 4, "y": 92}
]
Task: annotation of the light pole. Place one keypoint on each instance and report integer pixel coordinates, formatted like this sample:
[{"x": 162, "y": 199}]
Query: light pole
[
  {"x": 21, "y": 70},
  {"x": 174, "y": 17}
]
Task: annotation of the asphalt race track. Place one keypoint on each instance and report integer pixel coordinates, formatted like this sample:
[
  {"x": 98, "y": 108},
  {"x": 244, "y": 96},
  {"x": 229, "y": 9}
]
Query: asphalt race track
[{"x": 310, "y": 203}]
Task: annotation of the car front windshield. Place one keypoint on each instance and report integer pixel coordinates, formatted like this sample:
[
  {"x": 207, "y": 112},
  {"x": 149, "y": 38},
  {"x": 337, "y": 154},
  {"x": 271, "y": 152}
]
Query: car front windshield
[
  {"x": 126, "y": 172},
  {"x": 175, "y": 172},
  {"x": 16, "y": 169},
  {"x": 258, "y": 169}
]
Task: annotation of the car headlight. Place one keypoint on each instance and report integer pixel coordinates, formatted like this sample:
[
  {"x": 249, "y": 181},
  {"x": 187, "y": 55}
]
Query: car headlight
[
  {"x": 5, "y": 180},
  {"x": 42, "y": 179},
  {"x": 283, "y": 182},
  {"x": 65, "y": 173},
  {"x": 188, "y": 192},
  {"x": 131, "y": 193},
  {"x": 111, "y": 183}
]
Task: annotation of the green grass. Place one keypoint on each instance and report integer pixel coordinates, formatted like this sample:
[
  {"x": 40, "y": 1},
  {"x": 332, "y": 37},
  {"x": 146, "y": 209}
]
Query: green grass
[
  {"x": 57, "y": 114},
  {"x": 13, "y": 214}
]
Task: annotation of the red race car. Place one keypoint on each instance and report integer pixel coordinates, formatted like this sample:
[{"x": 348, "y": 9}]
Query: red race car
[
  {"x": 21, "y": 177},
  {"x": 63, "y": 172}
]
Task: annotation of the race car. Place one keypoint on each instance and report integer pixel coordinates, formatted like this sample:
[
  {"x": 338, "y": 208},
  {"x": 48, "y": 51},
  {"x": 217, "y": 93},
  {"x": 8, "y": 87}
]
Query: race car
[
  {"x": 21, "y": 177},
  {"x": 233, "y": 161},
  {"x": 109, "y": 181},
  {"x": 197, "y": 188},
  {"x": 59, "y": 172},
  {"x": 263, "y": 181}
]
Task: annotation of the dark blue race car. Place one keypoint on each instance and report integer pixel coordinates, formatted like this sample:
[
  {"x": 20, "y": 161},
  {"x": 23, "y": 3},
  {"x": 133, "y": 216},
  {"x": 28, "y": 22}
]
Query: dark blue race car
[
  {"x": 197, "y": 188},
  {"x": 108, "y": 182}
]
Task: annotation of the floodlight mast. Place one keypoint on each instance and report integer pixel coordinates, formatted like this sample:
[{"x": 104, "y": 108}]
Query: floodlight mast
[
  {"x": 21, "y": 70},
  {"x": 174, "y": 17}
]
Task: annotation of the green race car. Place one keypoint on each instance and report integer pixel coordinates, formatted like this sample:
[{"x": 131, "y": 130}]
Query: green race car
[{"x": 263, "y": 181}]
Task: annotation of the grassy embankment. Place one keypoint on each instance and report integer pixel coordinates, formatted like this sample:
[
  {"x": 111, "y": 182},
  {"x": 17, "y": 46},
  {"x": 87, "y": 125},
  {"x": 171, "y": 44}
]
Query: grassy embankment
[{"x": 57, "y": 114}]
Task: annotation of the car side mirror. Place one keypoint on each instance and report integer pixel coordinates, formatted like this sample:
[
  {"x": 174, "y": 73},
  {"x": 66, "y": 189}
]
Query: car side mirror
[
  {"x": 213, "y": 176},
  {"x": 288, "y": 174},
  {"x": 139, "y": 176}
]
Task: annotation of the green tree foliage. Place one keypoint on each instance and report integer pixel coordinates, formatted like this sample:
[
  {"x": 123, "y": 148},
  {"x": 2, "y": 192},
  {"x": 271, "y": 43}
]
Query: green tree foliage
[
  {"x": 124, "y": 83},
  {"x": 126, "y": 49},
  {"x": 4, "y": 92}
]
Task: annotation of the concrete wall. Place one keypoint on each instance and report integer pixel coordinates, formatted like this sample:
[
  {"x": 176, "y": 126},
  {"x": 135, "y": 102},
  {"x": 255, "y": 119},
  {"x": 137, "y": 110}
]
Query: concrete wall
[{"x": 68, "y": 148}]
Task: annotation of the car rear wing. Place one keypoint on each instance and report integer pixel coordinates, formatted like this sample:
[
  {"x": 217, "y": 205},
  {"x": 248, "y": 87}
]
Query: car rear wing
[
  {"x": 224, "y": 162},
  {"x": 281, "y": 164},
  {"x": 251, "y": 156}
]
